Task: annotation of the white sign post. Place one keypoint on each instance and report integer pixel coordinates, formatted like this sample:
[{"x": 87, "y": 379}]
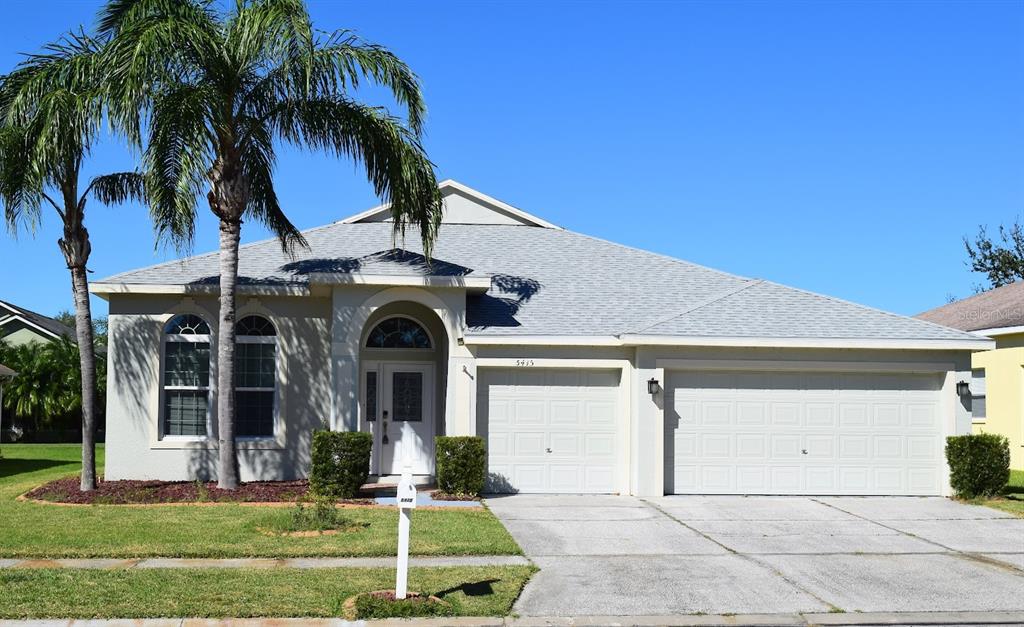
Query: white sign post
[{"x": 406, "y": 503}]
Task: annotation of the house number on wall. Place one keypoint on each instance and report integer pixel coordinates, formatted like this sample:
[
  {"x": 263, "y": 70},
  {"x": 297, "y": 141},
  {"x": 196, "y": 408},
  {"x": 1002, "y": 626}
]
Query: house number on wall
[{"x": 524, "y": 363}]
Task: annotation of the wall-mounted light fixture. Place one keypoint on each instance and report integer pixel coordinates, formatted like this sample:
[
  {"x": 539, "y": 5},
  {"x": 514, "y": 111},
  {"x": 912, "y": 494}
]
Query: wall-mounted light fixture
[
  {"x": 963, "y": 389},
  {"x": 652, "y": 386}
]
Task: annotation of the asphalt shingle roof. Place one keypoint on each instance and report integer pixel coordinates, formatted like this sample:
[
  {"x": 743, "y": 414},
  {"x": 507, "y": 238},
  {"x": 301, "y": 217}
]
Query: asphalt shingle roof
[
  {"x": 556, "y": 282},
  {"x": 994, "y": 309},
  {"x": 38, "y": 319}
]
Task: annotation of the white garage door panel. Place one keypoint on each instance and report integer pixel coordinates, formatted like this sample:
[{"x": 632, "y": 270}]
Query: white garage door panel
[
  {"x": 550, "y": 430},
  {"x": 802, "y": 433}
]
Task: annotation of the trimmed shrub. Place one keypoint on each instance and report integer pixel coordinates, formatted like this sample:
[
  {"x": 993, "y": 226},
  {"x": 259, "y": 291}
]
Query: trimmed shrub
[
  {"x": 341, "y": 463},
  {"x": 979, "y": 465},
  {"x": 461, "y": 464}
]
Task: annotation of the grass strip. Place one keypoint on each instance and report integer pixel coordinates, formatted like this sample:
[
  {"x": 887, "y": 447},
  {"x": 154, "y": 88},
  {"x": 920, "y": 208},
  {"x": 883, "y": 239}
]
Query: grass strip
[{"x": 243, "y": 593}]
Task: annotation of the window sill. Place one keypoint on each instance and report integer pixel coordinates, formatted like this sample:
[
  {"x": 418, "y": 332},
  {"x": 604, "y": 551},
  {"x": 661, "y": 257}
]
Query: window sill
[
  {"x": 269, "y": 443},
  {"x": 210, "y": 444},
  {"x": 978, "y": 421},
  {"x": 181, "y": 442}
]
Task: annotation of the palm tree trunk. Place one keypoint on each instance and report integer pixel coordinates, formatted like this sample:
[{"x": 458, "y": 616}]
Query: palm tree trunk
[
  {"x": 86, "y": 353},
  {"x": 230, "y": 233}
]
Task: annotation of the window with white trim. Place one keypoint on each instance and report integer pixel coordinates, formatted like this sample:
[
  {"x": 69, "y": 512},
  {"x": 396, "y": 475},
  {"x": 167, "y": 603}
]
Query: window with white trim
[
  {"x": 255, "y": 377},
  {"x": 978, "y": 395},
  {"x": 186, "y": 377},
  {"x": 398, "y": 332}
]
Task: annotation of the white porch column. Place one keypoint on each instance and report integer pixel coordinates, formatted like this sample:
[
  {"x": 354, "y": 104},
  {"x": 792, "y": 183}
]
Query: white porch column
[
  {"x": 460, "y": 406},
  {"x": 348, "y": 313},
  {"x": 344, "y": 389}
]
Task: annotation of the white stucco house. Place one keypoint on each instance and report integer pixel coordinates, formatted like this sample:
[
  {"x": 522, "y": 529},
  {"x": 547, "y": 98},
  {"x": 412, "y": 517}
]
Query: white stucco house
[{"x": 589, "y": 367}]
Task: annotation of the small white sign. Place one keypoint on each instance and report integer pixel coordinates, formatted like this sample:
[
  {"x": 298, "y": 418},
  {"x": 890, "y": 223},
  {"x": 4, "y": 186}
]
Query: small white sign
[{"x": 406, "y": 492}]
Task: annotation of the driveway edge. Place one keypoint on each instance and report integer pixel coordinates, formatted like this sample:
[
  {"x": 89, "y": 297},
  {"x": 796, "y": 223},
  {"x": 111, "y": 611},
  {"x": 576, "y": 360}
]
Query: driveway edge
[{"x": 864, "y": 619}]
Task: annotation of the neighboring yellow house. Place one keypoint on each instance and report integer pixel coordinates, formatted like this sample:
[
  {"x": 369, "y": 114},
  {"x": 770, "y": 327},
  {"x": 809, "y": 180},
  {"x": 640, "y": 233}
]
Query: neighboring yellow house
[
  {"x": 22, "y": 326},
  {"x": 997, "y": 385}
]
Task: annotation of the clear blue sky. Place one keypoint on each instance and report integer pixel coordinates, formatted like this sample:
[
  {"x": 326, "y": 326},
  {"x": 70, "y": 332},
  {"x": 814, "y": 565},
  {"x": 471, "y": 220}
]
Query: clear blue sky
[{"x": 840, "y": 147}]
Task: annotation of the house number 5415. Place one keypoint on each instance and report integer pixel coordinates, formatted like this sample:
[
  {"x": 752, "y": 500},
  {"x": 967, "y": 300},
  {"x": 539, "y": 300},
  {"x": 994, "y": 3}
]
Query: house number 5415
[{"x": 524, "y": 363}]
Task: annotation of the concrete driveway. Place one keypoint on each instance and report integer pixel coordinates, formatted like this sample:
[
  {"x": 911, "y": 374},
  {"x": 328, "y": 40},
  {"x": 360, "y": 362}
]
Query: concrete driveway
[{"x": 620, "y": 556}]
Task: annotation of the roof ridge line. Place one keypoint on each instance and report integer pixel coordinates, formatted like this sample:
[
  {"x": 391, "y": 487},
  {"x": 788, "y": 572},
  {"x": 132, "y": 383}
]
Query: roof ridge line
[{"x": 704, "y": 303}]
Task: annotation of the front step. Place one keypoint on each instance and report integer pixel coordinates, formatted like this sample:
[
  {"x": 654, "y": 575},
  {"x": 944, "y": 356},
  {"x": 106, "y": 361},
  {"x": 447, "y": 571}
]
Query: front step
[{"x": 387, "y": 485}]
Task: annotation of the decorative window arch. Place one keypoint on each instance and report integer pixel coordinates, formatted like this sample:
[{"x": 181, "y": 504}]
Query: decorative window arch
[
  {"x": 399, "y": 332},
  {"x": 255, "y": 377},
  {"x": 186, "y": 377}
]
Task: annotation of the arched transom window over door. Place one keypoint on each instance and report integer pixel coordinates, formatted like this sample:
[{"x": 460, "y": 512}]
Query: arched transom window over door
[
  {"x": 186, "y": 393},
  {"x": 399, "y": 332},
  {"x": 255, "y": 377}
]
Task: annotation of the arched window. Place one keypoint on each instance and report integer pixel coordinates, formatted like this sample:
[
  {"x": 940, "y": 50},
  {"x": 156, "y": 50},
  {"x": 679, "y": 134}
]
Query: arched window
[
  {"x": 398, "y": 332},
  {"x": 255, "y": 377},
  {"x": 186, "y": 391}
]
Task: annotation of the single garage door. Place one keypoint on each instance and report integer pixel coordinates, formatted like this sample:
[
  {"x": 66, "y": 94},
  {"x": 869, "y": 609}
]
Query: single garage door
[
  {"x": 803, "y": 433},
  {"x": 550, "y": 430}
]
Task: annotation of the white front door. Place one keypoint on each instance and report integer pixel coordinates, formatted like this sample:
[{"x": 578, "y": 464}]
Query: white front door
[{"x": 406, "y": 433}]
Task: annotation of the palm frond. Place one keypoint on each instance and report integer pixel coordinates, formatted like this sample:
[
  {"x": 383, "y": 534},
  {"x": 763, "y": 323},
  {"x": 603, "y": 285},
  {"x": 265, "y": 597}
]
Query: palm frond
[
  {"x": 21, "y": 186},
  {"x": 73, "y": 65},
  {"x": 177, "y": 158},
  {"x": 155, "y": 43},
  {"x": 343, "y": 59},
  {"x": 395, "y": 162},
  {"x": 267, "y": 33},
  {"x": 118, "y": 188},
  {"x": 51, "y": 107},
  {"x": 258, "y": 161}
]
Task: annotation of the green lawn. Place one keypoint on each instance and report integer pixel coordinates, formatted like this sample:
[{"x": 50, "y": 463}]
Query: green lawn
[
  {"x": 1013, "y": 495},
  {"x": 222, "y": 530},
  {"x": 243, "y": 593}
]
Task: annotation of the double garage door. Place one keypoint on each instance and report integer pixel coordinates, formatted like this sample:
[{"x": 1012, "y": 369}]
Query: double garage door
[
  {"x": 552, "y": 431},
  {"x": 803, "y": 433},
  {"x": 726, "y": 432}
]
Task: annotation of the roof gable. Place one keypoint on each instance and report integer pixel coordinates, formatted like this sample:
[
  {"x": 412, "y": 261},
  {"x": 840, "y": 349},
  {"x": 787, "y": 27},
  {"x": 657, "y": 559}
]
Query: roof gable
[
  {"x": 463, "y": 205},
  {"x": 46, "y": 325}
]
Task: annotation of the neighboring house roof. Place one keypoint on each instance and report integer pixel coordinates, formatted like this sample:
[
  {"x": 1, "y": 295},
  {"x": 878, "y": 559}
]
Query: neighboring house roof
[
  {"x": 997, "y": 309},
  {"x": 45, "y": 325},
  {"x": 542, "y": 280},
  {"x": 6, "y": 373}
]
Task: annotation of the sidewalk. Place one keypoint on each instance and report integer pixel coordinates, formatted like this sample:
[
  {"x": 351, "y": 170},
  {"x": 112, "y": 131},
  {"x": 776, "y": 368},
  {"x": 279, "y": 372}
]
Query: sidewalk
[
  {"x": 750, "y": 620},
  {"x": 295, "y": 562}
]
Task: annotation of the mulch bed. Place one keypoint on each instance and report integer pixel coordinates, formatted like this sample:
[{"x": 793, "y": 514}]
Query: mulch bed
[
  {"x": 444, "y": 496},
  {"x": 155, "y": 492},
  {"x": 383, "y": 604}
]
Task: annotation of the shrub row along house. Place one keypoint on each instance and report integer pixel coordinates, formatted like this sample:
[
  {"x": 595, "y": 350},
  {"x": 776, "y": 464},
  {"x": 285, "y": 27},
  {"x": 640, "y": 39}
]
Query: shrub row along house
[{"x": 587, "y": 366}]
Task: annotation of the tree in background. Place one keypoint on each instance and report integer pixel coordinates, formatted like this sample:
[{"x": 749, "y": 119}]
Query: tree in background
[
  {"x": 47, "y": 391},
  {"x": 1003, "y": 260},
  {"x": 99, "y": 327},
  {"x": 51, "y": 107},
  {"x": 217, "y": 92}
]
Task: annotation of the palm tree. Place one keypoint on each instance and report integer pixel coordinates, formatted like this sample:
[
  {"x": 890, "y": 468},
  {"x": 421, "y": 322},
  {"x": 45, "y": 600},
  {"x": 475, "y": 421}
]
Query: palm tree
[
  {"x": 51, "y": 107},
  {"x": 217, "y": 92},
  {"x": 47, "y": 386}
]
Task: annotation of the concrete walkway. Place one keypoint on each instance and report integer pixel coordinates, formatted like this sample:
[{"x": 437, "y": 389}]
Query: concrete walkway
[
  {"x": 294, "y": 562},
  {"x": 622, "y": 556},
  {"x": 961, "y": 619}
]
